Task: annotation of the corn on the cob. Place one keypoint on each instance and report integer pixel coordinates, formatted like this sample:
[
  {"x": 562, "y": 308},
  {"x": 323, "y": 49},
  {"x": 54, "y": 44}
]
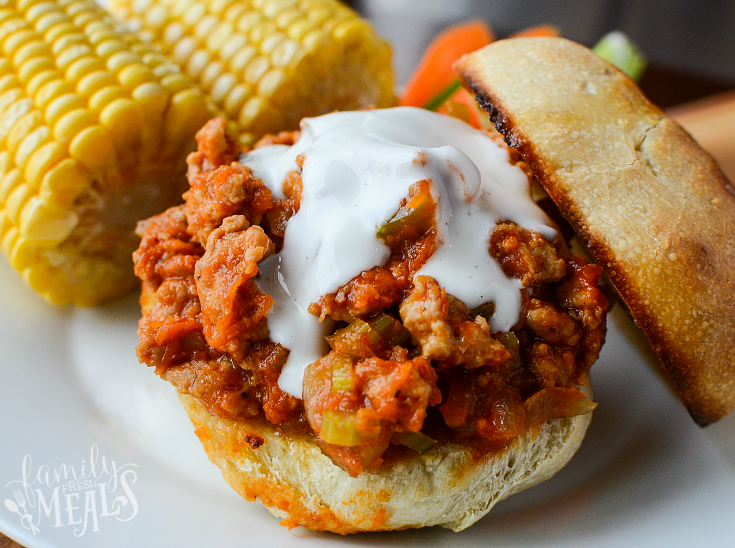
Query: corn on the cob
[
  {"x": 269, "y": 63},
  {"x": 94, "y": 129}
]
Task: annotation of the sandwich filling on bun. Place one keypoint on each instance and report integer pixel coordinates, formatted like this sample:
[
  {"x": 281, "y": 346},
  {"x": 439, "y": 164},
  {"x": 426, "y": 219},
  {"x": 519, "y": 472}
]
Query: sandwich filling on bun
[{"x": 381, "y": 287}]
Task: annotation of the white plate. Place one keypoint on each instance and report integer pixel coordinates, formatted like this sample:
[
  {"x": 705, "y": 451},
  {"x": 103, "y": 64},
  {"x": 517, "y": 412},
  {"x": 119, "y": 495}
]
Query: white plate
[{"x": 646, "y": 475}]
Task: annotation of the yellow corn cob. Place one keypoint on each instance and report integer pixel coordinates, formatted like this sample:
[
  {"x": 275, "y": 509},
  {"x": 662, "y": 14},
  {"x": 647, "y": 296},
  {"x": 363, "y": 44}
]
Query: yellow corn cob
[
  {"x": 94, "y": 129},
  {"x": 269, "y": 63}
]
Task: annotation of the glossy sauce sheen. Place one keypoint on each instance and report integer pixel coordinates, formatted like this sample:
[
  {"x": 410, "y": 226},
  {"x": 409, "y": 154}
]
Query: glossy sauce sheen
[{"x": 358, "y": 167}]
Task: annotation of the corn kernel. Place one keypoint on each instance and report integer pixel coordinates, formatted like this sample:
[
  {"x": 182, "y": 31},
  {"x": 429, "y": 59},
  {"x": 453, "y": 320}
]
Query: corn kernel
[
  {"x": 120, "y": 60},
  {"x": 48, "y": 21},
  {"x": 236, "y": 96},
  {"x": 183, "y": 50},
  {"x": 12, "y": 114},
  {"x": 173, "y": 33},
  {"x": 152, "y": 97},
  {"x": 100, "y": 99},
  {"x": 210, "y": 73},
  {"x": 242, "y": 58},
  {"x": 38, "y": 80},
  {"x": 41, "y": 161},
  {"x": 27, "y": 123},
  {"x": 123, "y": 118},
  {"x": 11, "y": 236},
  {"x": 69, "y": 40},
  {"x": 22, "y": 254},
  {"x": 205, "y": 26},
  {"x": 182, "y": 120},
  {"x": 248, "y": 20},
  {"x": 93, "y": 148},
  {"x": 34, "y": 66},
  {"x": 134, "y": 75},
  {"x": 175, "y": 82},
  {"x": 50, "y": 91},
  {"x": 95, "y": 81},
  {"x": 109, "y": 48},
  {"x": 5, "y": 164},
  {"x": 256, "y": 69},
  {"x": 9, "y": 81},
  {"x": 222, "y": 86},
  {"x": 261, "y": 31},
  {"x": 71, "y": 54},
  {"x": 15, "y": 202},
  {"x": 58, "y": 30},
  {"x": 9, "y": 97},
  {"x": 61, "y": 105},
  {"x": 30, "y": 50},
  {"x": 9, "y": 183},
  {"x": 284, "y": 52},
  {"x": 42, "y": 8},
  {"x": 13, "y": 42},
  {"x": 33, "y": 140},
  {"x": 197, "y": 63},
  {"x": 271, "y": 82},
  {"x": 64, "y": 182},
  {"x": 156, "y": 17},
  {"x": 195, "y": 13},
  {"x": 72, "y": 123},
  {"x": 46, "y": 225},
  {"x": 219, "y": 35}
]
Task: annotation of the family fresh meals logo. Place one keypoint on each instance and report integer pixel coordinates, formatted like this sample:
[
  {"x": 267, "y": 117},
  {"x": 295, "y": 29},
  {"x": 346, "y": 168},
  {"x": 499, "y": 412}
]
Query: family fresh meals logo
[{"x": 73, "y": 496}]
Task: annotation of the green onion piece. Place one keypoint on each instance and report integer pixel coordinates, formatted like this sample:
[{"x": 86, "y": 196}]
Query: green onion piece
[
  {"x": 414, "y": 440},
  {"x": 342, "y": 374},
  {"x": 622, "y": 52},
  {"x": 417, "y": 214},
  {"x": 339, "y": 428},
  {"x": 390, "y": 329},
  {"x": 486, "y": 310},
  {"x": 439, "y": 99},
  {"x": 511, "y": 342}
]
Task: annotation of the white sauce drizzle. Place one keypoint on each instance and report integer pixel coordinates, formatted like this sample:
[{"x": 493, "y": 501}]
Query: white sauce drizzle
[{"x": 358, "y": 166}]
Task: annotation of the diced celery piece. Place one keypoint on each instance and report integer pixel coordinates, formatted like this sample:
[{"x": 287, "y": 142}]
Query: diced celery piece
[
  {"x": 440, "y": 98},
  {"x": 355, "y": 339},
  {"x": 486, "y": 310},
  {"x": 390, "y": 329},
  {"x": 511, "y": 342},
  {"x": 417, "y": 215},
  {"x": 622, "y": 52},
  {"x": 342, "y": 374},
  {"x": 339, "y": 428},
  {"x": 414, "y": 440}
]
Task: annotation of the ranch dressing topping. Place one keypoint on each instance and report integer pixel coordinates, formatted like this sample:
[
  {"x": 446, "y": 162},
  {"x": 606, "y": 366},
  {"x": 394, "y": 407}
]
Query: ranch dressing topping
[{"x": 357, "y": 168}]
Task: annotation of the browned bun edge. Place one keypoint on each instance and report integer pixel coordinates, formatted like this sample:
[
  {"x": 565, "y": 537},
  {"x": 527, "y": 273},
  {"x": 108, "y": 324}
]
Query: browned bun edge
[
  {"x": 450, "y": 484},
  {"x": 654, "y": 209}
]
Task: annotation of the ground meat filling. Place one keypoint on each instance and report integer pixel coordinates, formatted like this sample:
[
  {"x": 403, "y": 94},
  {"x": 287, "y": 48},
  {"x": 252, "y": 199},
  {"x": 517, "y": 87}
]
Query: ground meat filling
[{"x": 406, "y": 357}]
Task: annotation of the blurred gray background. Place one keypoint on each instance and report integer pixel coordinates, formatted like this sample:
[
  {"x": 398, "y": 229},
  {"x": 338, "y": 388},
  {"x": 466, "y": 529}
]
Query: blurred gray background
[{"x": 684, "y": 39}]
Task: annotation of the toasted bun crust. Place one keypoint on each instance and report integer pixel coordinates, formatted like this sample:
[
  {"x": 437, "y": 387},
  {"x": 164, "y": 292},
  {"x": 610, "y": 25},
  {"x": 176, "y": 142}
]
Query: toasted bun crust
[
  {"x": 654, "y": 209},
  {"x": 450, "y": 484}
]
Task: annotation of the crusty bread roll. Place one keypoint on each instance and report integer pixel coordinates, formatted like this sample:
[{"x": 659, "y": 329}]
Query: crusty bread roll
[
  {"x": 653, "y": 208},
  {"x": 451, "y": 485}
]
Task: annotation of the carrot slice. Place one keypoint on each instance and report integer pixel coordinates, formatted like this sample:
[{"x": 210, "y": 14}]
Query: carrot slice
[
  {"x": 538, "y": 30},
  {"x": 434, "y": 72},
  {"x": 462, "y": 105}
]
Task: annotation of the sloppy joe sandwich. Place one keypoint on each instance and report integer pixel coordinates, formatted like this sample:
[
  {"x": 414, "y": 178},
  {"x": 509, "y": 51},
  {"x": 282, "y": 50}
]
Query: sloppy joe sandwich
[
  {"x": 371, "y": 323},
  {"x": 654, "y": 209}
]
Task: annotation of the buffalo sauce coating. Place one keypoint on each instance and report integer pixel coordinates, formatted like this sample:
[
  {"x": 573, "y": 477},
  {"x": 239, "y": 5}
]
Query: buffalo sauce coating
[{"x": 357, "y": 167}]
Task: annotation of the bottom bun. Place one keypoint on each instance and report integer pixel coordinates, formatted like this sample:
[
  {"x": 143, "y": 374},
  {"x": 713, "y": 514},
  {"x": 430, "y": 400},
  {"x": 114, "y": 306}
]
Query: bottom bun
[{"x": 450, "y": 484}]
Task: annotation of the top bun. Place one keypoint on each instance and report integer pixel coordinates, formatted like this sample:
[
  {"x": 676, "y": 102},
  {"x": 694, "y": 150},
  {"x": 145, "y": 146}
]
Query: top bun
[{"x": 654, "y": 209}]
